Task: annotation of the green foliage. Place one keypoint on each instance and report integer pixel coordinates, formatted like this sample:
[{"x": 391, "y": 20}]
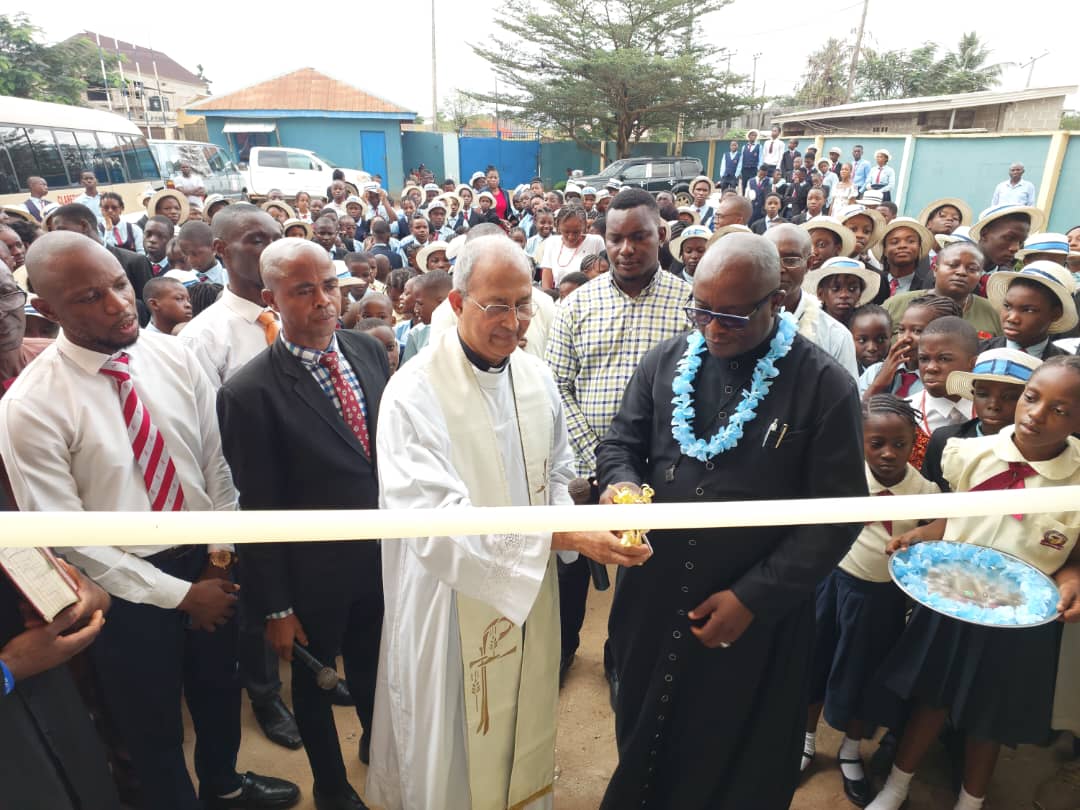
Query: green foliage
[
  {"x": 1070, "y": 119},
  {"x": 31, "y": 69},
  {"x": 616, "y": 70},
  {"x": 825, "y": 79},
  {"x": 908, "y": 74}
]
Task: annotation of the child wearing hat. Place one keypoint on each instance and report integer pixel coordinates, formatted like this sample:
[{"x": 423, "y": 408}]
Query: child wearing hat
[
  {"x": 859, "y": 611},
  {"x": 700, "y": 189},
  {"x": 842, "y": 285},
  {"x": 1034, "y": 303},
  {"x": 994, "y": 386},
  {"x": 486, "y": 210},
  {"x": 898, "y": 373},
  {"x": 904, "y": 252},
  {"x": 688, "y": 247},
  {"x": 995, "y": 685}
]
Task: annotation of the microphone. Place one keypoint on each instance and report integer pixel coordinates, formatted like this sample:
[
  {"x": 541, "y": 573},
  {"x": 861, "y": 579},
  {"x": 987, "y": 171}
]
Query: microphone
[
  {"x": 325, "y": 677},
  {"x": 584, "y": 492}
]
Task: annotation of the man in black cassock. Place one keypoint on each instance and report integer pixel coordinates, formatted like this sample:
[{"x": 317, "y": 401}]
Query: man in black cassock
[{"x": 712, "y": 640}]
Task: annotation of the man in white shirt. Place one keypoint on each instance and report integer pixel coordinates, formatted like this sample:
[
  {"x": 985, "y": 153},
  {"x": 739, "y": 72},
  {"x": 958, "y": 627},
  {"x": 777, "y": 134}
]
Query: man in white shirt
[
  {"x": 466, "y": 700},
  {"x": 108, "y": 419},
  {"x": 190, "y": 184},
  {"x": 339, "y": 193},
  {"x": 793, "y": 244},
  {"x": 772, "y": 152},
  {"x": 90, "y": 197},
  {"x": 224, "y": 337},
  {"x": 36, "y": 204},
  {"x": 1014, "y": 191}
]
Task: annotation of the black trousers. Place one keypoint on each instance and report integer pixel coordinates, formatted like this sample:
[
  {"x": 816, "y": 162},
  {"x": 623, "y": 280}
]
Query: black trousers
[
  {"x": 147, "y": 659},
  {"x": 354, "y": 630},
  {"x": 258, "y": 661},
  {"x": 573, "y": 594}
]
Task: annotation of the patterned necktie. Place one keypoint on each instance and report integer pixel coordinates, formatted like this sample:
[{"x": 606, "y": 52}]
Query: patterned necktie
[
  {"x": 907, "y": 379},
  {"x": 351, "y": 411},
  {"x": 148, "y": 445},
  {"x": 269, "y": 324},
  {"x": 1012, "y": 478},
  {"x": 886, "y": 523}
]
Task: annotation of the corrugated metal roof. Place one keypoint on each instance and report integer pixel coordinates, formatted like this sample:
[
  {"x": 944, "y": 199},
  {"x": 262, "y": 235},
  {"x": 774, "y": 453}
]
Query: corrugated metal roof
[
  {"x": 142, "y": 56},
  {"x": 926, "y": 103},
  {"x": 303, "y": 89}
]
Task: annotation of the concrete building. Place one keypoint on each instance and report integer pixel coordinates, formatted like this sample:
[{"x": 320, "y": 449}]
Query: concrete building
[
  {"x": 146, "y": 86},
  {"x": 1036, "y": 109},
  {"x": 309, "y": 110}
]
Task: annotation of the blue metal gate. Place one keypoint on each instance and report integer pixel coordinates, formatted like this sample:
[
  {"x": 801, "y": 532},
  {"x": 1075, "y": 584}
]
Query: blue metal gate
[{"x": 517, "y": 158}]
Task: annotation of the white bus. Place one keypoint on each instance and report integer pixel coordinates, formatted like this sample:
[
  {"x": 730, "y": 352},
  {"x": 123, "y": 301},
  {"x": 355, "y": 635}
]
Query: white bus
[{"x": 57, "y": 141}]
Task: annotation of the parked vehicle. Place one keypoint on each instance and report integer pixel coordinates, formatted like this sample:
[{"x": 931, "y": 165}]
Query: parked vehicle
[
  {"x": 58, "y": 141},
  {"x": 653, "y": 174},
  {"x": 293, "y": 170},
  {"x": 210, "y": 161}
]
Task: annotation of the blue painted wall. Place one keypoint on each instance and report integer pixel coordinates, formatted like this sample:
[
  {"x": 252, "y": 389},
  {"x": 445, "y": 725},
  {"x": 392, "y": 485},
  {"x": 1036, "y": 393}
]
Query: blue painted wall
[
  {"x": 336, "y": 139},
  {"x": 970, "y": 168},
  {"x": 895, "y": 147},
  {"x": 558, "y": 156},
  {"x": 1066, "y": 211},
  {"x": 427, "y": 148}
]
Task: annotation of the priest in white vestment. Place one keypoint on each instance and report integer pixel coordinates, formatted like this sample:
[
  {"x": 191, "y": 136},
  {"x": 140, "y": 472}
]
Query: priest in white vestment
[{"x": 467, "y": 695}]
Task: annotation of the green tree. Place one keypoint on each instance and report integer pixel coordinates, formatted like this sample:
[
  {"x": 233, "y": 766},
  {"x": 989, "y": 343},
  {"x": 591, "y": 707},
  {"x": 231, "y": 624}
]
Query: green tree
[
  {"x": 908, "y": 74},
  {"x": 608, "y": 69},
  {"x": 31, "y": 69},
  {"x": 824, "y": 82},
  {"x": 964, "y": 70}
]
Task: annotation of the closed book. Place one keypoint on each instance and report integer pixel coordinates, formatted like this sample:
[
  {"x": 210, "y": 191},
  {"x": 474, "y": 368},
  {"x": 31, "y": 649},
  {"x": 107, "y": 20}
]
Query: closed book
[{"x": 40, "y": 578}]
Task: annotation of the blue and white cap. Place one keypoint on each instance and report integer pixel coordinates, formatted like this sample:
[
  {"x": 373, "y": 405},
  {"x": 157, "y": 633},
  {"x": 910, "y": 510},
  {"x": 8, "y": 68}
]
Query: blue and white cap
[
  {"x": 1047, "y": 273},
  {"x": 689, "y": 232},
  {"x": 994, "y": 213},
  {"x": 1056, "y": 243},
  {"x": 994, "y": 365},
  {"x": 843, "y": 266}
]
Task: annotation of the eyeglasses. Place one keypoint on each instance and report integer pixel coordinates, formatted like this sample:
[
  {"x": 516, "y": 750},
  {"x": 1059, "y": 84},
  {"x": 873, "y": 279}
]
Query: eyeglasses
[
  {"x": 523, "y": 312},
  {"x": 792, "y": 262},
  {"x": 703, "y": 317},
  {"x": 12, "y": 301}
]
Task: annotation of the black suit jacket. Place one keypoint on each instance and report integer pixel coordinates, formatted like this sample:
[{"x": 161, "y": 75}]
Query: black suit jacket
[
  {"x": 787, "y": 160},
  {"x": 289, "y": 449},
  {"x": 139, "y": 271},
  {"x": 931, "y": 466},
  {"x": 758, "y": 226},
  {"x": 999, "y": 343}
]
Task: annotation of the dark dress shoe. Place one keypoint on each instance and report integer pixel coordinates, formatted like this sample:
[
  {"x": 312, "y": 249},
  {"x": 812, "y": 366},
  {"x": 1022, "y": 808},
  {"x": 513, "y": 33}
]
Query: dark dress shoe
[
  {"x": 340, "y": 695},
  {"x": 365, "y": 748},
  {"x": 278, "y": 723},
  {"x": 564, "y": 666},
  {"x": 345, "y": 799},
  {"x": 258, "y": 793},
  {"x": 858, "y": 791}
]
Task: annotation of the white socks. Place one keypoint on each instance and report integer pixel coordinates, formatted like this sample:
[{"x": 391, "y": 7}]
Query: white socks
[
  {"x": 968, "y": 802},
  {"x": 849, "y": 750},
  {"x": 894, "y": 793},
  {"x": 808, "y": 750}
]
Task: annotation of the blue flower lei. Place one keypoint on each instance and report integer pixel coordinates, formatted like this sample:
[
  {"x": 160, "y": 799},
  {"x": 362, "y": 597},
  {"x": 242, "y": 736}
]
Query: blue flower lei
[{"x": 683, "y": 387}]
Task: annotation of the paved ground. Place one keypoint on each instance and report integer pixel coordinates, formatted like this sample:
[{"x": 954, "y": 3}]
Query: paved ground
[{"x": 585, "y": 753}]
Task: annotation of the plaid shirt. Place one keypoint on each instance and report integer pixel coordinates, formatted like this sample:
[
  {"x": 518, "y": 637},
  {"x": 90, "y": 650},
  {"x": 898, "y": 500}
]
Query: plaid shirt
[
  {"x": 599, "y": 336},
  {"x": 310, "y": 360}
]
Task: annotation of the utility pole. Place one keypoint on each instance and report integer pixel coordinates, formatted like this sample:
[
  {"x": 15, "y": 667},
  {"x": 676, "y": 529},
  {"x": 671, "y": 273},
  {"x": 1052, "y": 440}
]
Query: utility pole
[
  {"x": 1030, "y": 64},
  {"x": 104, "y": 73},
  {"x": 434, "y": 92},
  {"x": 753, "y": 81},
  {"x": 855, "y": 53}
]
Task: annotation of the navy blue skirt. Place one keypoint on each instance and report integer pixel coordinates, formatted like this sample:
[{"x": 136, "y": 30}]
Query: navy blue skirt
[
  {"x": 998, "y": 684},
  {"x": 858, "y": 624}
]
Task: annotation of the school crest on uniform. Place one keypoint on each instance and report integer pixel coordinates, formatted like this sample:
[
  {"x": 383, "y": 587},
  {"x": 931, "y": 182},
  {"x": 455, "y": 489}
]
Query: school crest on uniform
[{"x": 1054, "y": 539}]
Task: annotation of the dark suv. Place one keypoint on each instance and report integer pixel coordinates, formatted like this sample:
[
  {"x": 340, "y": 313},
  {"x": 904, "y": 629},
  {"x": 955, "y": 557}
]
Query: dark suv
[{"x": 653, "y": 174}]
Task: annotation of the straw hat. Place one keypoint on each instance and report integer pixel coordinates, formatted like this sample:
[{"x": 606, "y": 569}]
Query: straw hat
[
  {"x": 432, "y": 187},
  {"x": 689, "y": 232},
  {"x": 966, "y": 215},
  {"x": 1055, "y": 243},
  {"x": 885, "y": 152},
  {"x": 1052, "y": 276},
  {"x": 989, "y": 215},
  {"x": 427, "y": 250},
  {"x": 487, "y": 194},
  {"x": 843, "y": 266},
  {"x": 284, "y": 206},
  {"x": 477, "y": 176},
  {"x": 455, "y": 246},
  {"x": 185, "y": 206},
  {"x": 21, "y": 212},
  {"x": 293, "y": 222},
  {"x": 686, "y": 209},
  {"x": 571, "y": 188},
  {"x": 438, "y": 202},
  {"x": 721, "y": 232},
  {"x": 849, "y": 212},
  {"x": 959, "y": 235},
  {"x": 464, "y": 187},
  {"x": 448, "y": 196},
  {"x": 926, "y": 239},
  {"x": 871, "y": 197},
  {"x": 701, "y": 178},
  {"x": 214, "y": 199},
  {"x": 588, "y": 191},
  {"x": 832, "y": 224},
  {"x": 994, "y": 365},
  {"x": 189, "y": 278}
]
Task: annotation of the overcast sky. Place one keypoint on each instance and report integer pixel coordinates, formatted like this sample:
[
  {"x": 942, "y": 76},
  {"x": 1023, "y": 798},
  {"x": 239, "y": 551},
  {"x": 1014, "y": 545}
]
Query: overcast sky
[{"x": 384, "y": 48}]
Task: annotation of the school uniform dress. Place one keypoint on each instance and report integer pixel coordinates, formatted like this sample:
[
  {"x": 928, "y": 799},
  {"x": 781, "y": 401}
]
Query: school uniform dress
[
  {"x": 750, "y": 159},
  {"x": 723, "y": 728},
  {"x": 998, "y": 684},
  {"x": 860, "y": 612}
]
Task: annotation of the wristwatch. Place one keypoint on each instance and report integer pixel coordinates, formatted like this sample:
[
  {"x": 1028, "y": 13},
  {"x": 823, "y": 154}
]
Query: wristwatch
[{"x": 222, "y": 559}]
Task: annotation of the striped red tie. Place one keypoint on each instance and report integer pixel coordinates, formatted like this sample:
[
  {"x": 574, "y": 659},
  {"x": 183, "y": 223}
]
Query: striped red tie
[{"x": 148, "y": 445}]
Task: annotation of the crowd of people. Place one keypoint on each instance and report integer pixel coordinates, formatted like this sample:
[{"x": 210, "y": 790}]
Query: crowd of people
[{"x": 784, "y": 333}]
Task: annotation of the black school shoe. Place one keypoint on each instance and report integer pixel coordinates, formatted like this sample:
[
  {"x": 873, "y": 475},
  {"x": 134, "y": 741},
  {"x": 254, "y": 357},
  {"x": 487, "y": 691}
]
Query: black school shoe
[
  {"x": 258, "y": 793},
  {"x": 346, "y": 799},
  {"x": 858, "y": 791},
  {"x": 278, "y": 723}
]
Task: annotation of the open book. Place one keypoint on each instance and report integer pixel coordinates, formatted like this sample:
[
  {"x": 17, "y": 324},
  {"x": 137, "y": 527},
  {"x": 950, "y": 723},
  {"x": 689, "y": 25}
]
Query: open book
[{"x": 43, "y": 582}]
